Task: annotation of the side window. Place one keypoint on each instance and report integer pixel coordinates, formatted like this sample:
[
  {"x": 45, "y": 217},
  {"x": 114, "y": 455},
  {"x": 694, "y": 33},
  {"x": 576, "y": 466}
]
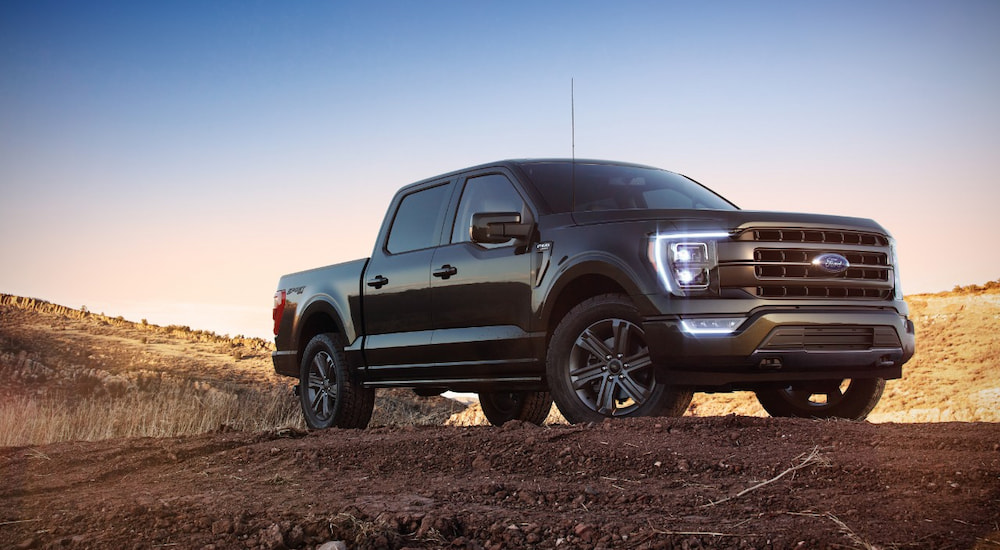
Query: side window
[
  {"x": 489, "y": 193},
  {"x": 418, "y": 220}
]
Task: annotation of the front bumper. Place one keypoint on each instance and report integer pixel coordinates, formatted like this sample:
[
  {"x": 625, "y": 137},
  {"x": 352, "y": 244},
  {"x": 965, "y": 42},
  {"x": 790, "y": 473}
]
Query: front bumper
[{"x": 780, "y": 346}]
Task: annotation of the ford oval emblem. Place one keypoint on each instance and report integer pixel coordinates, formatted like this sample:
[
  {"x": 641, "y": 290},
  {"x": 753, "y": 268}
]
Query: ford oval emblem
[{"x": 831, "y": 263}]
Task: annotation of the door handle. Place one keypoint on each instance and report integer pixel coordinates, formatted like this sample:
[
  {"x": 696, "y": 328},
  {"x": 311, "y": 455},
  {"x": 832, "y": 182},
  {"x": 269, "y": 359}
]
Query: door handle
[
  {"x": 445, "y": 271},
  {"x": 378, "y": 282}
]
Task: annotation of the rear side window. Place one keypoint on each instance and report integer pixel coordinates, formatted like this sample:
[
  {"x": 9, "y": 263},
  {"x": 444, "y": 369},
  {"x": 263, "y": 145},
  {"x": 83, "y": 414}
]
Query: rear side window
[{"x": 417, "y": 224}]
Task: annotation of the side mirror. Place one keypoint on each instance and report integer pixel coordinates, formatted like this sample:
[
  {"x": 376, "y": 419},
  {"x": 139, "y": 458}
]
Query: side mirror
[{"x": 498, "y": 227}]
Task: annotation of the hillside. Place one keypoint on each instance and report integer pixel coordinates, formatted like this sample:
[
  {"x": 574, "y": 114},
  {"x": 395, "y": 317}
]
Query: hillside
[
  {"x": 70, "y": 355},
  {"x": 67, "y": 374}
]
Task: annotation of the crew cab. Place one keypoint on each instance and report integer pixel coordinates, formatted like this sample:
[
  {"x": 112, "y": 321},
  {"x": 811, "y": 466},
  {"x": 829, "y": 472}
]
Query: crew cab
[{"x": 612, "y": 289}]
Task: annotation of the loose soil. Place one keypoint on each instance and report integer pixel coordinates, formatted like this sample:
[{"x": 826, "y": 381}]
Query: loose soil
[
  {"x": 711, "y": 479},
  {"x": 722, "y": 482}
]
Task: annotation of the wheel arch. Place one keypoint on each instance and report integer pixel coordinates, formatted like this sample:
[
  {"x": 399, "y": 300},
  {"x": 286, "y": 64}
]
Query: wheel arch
[
  {"x": 583, "y": 281},
  {"x": 320, "y": 316}
]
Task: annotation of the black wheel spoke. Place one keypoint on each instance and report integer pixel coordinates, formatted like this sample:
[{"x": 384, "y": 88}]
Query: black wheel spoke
[
  {"x": 632, "y": 389},
  {"x": 327, "y": 403},
  {"x": 316, "y": 401},
  {"x": 620, "y": 329},
  {"x": 606, "y": 396},
  {"x": 594, "y": 345},
  {"x": 587, "y": 374},
  {"x": 638, "y": 361},
  {"x": 320, "y": 365}
]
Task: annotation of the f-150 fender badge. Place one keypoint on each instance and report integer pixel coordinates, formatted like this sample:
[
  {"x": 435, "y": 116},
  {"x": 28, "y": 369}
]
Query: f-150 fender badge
[{"x": 831, "y": 263}]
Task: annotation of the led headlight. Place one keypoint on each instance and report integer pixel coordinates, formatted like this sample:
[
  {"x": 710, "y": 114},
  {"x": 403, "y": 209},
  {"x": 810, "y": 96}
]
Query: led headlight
[{"x": 684, "y": 261}]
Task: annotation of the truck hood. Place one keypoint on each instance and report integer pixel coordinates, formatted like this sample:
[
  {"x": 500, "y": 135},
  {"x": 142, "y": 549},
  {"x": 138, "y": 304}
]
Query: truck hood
[{"x": 726, "y": 220}]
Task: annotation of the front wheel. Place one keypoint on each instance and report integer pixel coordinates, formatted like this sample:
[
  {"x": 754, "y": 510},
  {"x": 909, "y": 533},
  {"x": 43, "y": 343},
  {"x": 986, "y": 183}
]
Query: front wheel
[
  {"x": 598, "y": 365},
  {"x": 329, "y": 395},
  {"x": 851, "y": 399},
  {"x": 527, "y": 406}
]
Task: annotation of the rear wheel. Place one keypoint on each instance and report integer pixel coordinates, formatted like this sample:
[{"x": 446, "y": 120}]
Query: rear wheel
[
  {"x": 849, "y": 398},
  {"x": 502, "y": 407},
  {"x": 329, "y": 395},
  {"x": 598, "y": 365}
]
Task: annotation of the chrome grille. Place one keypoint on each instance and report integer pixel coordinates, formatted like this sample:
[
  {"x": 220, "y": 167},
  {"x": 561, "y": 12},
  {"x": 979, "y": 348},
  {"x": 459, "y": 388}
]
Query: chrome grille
[
  {"x": 819, "y": 236},
  {"x": 782, "y": 291},
  {"x": 778, "y": 263},
  {"x": 797, "y": 263}
]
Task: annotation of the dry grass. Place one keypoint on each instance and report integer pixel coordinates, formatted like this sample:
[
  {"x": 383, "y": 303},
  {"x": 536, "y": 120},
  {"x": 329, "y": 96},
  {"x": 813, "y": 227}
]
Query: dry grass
[{"x": 170, "y": 409}]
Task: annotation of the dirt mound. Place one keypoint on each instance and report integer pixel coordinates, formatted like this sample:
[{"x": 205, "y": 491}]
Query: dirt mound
[{"x": 731, "y": 482}]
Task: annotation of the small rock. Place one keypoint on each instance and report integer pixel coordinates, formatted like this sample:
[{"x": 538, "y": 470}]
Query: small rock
[
  {"x": 584, "y": 531},
  {"x": 222, "y": 526},
  {"x": 333, "y": 545},
  {"x": 271, "y": 538}
]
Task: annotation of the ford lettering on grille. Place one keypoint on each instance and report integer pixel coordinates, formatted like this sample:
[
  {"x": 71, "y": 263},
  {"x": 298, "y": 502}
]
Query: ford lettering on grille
[{"x": 831, "y": 263}]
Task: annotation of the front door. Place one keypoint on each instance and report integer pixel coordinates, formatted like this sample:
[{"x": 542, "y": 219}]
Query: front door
[{"x": 481, "y": 293}]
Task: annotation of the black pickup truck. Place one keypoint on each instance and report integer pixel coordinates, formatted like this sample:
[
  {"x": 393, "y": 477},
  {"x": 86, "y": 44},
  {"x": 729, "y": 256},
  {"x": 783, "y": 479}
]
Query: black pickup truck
[{"x": 613, "y": 289}]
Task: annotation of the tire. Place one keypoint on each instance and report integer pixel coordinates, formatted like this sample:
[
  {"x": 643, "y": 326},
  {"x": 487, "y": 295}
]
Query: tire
[
  {"x": 850, "y": 399},
  {"x": 527, "y": 406},
  {"x": 329, "y": 395},
  {"x": 598, "y": 365}
]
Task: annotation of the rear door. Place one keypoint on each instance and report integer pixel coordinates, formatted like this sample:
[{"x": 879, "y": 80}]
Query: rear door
[{"x": 397, "y": 289}]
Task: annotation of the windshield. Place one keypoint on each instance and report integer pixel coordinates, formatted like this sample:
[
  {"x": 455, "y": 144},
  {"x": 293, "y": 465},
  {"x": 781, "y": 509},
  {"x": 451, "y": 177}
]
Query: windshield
[{"x": 618, "y": 187}]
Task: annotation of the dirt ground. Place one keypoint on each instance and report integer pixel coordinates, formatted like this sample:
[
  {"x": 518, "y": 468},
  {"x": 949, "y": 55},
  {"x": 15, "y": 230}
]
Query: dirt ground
[
  {"x": 721, "y": 482},
  {"x": 924, "y": 474}
]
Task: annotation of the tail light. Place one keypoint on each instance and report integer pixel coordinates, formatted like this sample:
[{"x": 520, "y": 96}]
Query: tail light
[{"x": 279, "y": 309}]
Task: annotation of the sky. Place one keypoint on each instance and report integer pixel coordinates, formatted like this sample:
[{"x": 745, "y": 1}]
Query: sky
[{"x": 170, "y": 160}]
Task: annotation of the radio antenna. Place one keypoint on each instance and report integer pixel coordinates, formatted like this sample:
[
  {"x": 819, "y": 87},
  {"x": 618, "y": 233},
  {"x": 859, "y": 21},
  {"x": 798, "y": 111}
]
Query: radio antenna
[
  {"x": 572, "y": 117},
  {"x": 572, "y": 126}
]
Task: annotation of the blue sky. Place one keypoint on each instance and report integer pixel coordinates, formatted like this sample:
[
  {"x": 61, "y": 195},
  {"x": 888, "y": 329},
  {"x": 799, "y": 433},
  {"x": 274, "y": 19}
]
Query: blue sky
[{"x": 170, "y": 160}]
